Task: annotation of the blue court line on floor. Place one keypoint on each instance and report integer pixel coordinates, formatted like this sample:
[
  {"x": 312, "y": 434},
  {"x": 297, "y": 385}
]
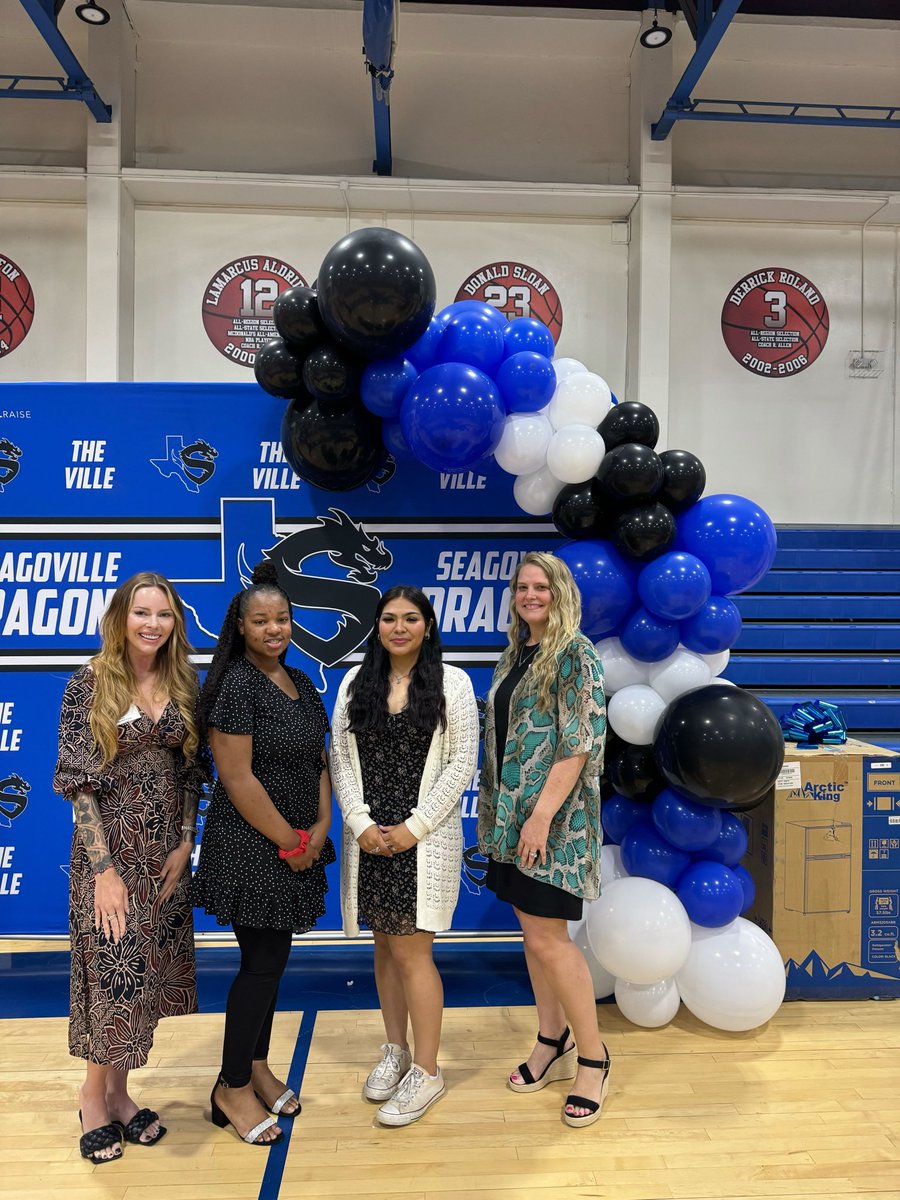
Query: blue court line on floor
[{"x": 274, "y": 1172}]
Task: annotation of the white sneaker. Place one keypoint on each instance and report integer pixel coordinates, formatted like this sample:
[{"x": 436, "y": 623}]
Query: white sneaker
[
  {"x": 383, "y": 1078},
  {"x": 415, "y": 1094}
]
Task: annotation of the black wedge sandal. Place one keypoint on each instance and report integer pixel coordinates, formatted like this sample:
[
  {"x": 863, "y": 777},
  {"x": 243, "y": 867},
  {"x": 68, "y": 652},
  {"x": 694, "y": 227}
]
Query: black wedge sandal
[
  {"x": 560, "y": 1066},
  {"x": 594, "y": 1107}
]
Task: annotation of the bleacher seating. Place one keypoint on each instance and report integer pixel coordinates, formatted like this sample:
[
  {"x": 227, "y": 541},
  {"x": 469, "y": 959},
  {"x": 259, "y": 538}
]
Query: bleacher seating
[{"x": 824, "y": 624}]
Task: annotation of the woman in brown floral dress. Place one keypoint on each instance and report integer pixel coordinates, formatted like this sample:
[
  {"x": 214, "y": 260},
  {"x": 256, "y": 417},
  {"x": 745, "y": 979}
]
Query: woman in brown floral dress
[{"x": 128, "y": 762}]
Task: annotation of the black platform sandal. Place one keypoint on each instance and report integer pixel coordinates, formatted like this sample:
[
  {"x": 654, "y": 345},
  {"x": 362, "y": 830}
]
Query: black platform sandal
[
  {"x": 560, "y": 1066},
  {"x": 138, "y": 1124},
  {"x": 594, "y": 1107},
  {"x": 104, "y": 1137}
]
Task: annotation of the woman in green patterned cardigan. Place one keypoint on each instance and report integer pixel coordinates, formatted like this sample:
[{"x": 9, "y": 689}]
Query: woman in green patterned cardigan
[{"x": 539, "y": 819}]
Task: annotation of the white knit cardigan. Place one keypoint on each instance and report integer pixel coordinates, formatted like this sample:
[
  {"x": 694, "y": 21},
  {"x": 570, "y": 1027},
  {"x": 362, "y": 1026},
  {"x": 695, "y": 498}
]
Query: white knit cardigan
[{"x": 435, "y": 821}]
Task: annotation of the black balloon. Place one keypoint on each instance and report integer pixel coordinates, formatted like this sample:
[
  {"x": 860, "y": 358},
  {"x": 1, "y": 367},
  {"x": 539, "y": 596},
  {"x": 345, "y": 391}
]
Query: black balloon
[
  {"x": 582, "y": 511},
  {"x": 633, "y": 772},
  {"x": 331, "y": 374},
  {"x": 279, "y": 369},
  {"x": 376, "y": 292},
  {"x": 644, "y": 532},
  {"x": 629, "y": 421},
  {"x": 297, "y": 317},
  {"x": 630, "y": 473},
  {"x": 721, "y": 745},
  {"x": 684, "y": 478},
  {"x": 335, "y": 448}
]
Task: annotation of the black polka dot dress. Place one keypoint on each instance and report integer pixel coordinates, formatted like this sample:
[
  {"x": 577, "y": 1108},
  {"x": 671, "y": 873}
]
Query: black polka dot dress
[
  {"x": 241, "y": 879},
  {"x": 392, "y": 764}
]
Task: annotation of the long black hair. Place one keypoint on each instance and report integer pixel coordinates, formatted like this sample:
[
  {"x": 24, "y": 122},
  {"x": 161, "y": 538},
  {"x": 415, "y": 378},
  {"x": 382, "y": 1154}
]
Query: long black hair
[
  {"x": 368, "y": 699},
  {"x": 231, "y": 644}
]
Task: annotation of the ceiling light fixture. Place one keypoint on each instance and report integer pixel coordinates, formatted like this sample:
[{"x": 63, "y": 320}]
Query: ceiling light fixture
[
  {"x": 92, "y": 13},
  {"x": 656, "y": 36}
]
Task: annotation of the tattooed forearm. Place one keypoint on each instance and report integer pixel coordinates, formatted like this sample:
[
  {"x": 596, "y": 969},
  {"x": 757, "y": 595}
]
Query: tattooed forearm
[
  {"x": 189, "y": 816},
  {"x": 90, "y": 829}
]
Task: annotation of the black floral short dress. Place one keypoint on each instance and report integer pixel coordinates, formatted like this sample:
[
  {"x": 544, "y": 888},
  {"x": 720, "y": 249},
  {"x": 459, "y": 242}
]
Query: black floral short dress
[
  {"x": 240, "y": 879},
  {"x": 392, "y": 763}
]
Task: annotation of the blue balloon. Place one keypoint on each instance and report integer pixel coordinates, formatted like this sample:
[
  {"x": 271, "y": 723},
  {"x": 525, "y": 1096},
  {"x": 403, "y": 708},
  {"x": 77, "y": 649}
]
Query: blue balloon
[
  {"x": 748, "y": 887},
  {"x": 613, "y": 398},
  {"x": 472, "y": 339},
  {"x": 421, "y": 353},
  {"x": 472, "y": 306},
  {"x": 383, "y": 385},
  {"x": 528, "y": 333},
  {"x": 645, "y": 853},
  {"x": 731, "y": 844},
  {"x": 618, "y": 814},
  {"x": 711, "y": 894},
  {"x": 526, "y": 381},
  {"x": 606, "y": 583},
  {"x": 685, "y": 823},
  {"x": 648, "y": 638},
  {"x": 452, "y": 417},
  {"x": 394, "y": 441},
  {"x": 674, "y": 586},
  {"x": 733, "y": 536},
  {"x": 716, "y": 626}
]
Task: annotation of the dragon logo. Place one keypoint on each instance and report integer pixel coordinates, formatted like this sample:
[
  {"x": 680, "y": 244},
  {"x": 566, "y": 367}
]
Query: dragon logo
[
  {"x": 194, "y": 465},
  {"x": 13, "y": 799},
  {"x": 9, "y": 461}
]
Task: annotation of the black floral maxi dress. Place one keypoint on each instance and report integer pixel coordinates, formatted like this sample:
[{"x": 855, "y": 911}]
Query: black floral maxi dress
[{"x": 119, "y": 991}]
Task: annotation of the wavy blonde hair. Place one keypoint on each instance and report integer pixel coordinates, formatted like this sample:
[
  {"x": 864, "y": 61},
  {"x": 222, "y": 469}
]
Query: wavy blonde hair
[
  {"x": 115, "y": 685},
  {"x": 564, "y": 622}
]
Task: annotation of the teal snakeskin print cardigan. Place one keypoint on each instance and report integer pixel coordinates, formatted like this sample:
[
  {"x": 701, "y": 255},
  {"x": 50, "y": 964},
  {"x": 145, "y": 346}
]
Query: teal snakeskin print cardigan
[{"x": 575, "y": 724}]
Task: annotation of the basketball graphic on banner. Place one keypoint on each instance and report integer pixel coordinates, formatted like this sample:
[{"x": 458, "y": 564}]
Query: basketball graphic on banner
[
  {"x": 16, "y": 306},
  {"x": 775, "y": 322},
  {"x": 518, "y": 291},
  {"x": 237, "y": 305}
]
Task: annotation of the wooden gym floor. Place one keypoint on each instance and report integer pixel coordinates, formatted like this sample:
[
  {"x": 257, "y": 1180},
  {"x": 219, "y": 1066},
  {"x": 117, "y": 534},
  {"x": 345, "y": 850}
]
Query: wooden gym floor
[{"x": 807, "y": 1106}]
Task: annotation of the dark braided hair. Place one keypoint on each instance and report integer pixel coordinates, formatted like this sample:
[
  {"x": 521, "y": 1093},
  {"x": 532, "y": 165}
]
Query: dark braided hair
[
  {"x": 368, "y": 697},
  {"x": 231, "y": 643}
]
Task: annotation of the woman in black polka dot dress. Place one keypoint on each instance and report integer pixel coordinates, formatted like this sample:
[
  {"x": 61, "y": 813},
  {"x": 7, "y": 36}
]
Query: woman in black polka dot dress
[{"x": 265, "y": 845}]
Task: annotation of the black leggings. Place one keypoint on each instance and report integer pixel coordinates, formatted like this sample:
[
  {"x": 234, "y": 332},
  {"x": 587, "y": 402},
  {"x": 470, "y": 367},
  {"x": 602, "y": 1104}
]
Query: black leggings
[{"x": 251, "y": 1000}]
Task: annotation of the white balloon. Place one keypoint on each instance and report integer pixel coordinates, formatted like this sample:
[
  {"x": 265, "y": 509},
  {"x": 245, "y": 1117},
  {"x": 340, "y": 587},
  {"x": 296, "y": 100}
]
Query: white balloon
[
  {"x": 580, "y": 400},
  {"x": 523, "y": 444},
  {"x": 575, "y": 453},
  {"x": 536, "y": 492},
  {"x": 611, "y": 865},
  {"x": 716, "y": 662},
  {"x": 633, "y": 713},
  {"x": 604, "y": 983},
  {"x": 650, "y": 1005},
  {"x": 638, "y": 930},
  {"x": 564, "y": 367},
  {"x": 620, "y": 670},
  {"x": 678, "y": 673},
  {"x": 734, "y": 976}
]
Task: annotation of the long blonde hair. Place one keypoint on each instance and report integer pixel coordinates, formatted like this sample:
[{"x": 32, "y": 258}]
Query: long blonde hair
[
  {"x": 562, "y": 625},
  {"x": 115, "y": 684}
]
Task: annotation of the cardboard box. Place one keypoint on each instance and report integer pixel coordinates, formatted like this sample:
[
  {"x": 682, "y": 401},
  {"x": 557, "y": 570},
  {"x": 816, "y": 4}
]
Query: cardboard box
[{"x": 824, "y": 853}]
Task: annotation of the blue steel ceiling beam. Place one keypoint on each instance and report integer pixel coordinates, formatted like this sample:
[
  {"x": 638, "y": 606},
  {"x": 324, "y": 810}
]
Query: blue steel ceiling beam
[
  {"x": 710, "y": 31},
  {"x": 856, "y": 116},
  {"x": 379, "y": 21},
  {"x": 77, "y": 85}
]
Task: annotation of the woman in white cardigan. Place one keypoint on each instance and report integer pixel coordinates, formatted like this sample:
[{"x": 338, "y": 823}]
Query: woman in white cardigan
[{"x": 404, "y": 747}]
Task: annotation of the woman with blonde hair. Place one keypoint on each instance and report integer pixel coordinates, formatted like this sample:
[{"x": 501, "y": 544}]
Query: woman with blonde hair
[
  {"x": 539, "y": 819},
  {"x": 128, "y": 761}
]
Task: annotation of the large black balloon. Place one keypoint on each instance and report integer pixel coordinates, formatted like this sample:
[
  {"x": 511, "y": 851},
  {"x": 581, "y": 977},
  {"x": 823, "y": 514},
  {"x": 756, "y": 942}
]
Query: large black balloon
[
  {"x": 297, "y": 317},
  {"x": 630, "y": 473},
  {"x": 279, "y": 369},
  {"x": 684, "y": 478},
  {"x": 335, "y": 448},
  {"x": 633, "y": 772},
  {"x": 582, "y": 511},
  {"x": 331, "y": 374},
  {"x": 629, "y": 421},
  {"x": 376, "y": 292},
  {"x": 721, "y": 745},
  {"x": 644, "y": 532}
]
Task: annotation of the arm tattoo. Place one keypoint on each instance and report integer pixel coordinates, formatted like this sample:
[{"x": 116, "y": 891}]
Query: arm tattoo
[{"x": 90, "y": 828}]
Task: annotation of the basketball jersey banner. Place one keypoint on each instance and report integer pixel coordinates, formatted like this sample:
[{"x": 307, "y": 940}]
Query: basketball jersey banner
[
  {"x": 16, "y": 306},
  {"x": 189, "y": 480},
  {"x": 237, "y": 304},
  {"x": 775, "y": 322},
  {"x": 518, "y": 291}
]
